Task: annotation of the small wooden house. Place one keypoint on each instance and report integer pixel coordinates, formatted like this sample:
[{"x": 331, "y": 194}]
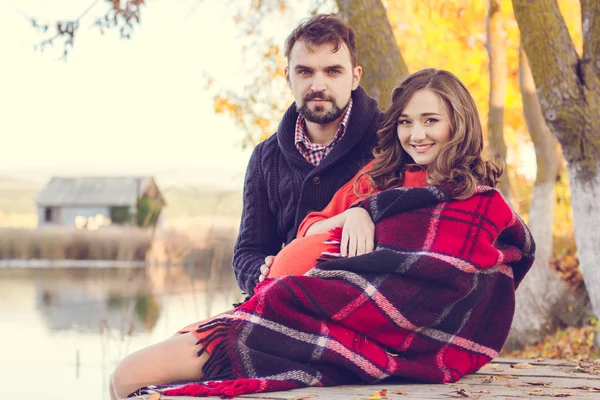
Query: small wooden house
[{"x": 92, "y": 202}]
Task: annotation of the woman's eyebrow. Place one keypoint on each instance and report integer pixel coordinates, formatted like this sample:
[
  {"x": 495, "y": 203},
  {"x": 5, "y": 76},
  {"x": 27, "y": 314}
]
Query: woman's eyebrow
[{"x": 427, "y": 114}]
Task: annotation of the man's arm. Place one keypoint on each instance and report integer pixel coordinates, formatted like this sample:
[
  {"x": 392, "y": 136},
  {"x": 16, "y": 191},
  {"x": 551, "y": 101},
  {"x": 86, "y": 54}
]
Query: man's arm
[{"x": 258, "y": 236}]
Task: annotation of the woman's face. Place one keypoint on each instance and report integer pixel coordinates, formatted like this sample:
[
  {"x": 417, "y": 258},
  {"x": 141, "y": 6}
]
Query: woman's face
[{"x": 424, "y": 126}]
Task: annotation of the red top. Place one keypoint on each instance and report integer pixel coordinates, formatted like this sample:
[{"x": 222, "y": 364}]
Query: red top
[
  {"x": 300, "y": 255},
  {"x": 346, "y": 197}
]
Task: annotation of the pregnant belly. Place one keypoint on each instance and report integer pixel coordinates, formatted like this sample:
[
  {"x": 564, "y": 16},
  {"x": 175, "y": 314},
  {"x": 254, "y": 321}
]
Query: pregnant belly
[{"x": 300, "y": 255}]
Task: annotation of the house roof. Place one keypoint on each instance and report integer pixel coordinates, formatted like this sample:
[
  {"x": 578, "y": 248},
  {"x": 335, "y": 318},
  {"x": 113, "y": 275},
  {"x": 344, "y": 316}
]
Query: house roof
[{"x": 93, "y": 191}]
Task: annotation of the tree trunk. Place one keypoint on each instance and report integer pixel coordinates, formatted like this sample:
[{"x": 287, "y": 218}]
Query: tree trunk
[
  {"x": 379, "y": 55},
  {"x": 569, "y": 94},
  {"x": 496, "y": 48},
  {"x": 543, "y": 299}
]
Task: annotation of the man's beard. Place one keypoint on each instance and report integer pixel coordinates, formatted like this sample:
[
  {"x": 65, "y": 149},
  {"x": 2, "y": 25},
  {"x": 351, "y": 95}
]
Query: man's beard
[{"x": 319, "y": 115}]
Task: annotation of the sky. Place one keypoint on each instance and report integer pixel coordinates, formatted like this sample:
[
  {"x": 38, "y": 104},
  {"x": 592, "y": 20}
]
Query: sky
[{"x": 121, "y": 107}]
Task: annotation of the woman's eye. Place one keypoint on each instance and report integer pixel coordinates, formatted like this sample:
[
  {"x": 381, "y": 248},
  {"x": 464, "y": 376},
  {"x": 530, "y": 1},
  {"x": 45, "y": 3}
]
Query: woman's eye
[
  {"x": 403, "y": 122},
  {"x": 431, "y": 121}
]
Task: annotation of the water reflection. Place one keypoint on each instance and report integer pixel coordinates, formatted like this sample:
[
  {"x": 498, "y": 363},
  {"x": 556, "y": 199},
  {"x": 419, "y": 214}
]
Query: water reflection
[
  {"x": 85, "y": 300},
  {"x": 63, "y": 330}
]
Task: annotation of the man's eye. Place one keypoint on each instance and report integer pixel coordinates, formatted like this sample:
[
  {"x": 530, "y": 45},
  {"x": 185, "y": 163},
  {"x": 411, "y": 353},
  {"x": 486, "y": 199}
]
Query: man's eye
[
  {"x": 334, "y": 71},
  {"x": 304, "y": 72}
]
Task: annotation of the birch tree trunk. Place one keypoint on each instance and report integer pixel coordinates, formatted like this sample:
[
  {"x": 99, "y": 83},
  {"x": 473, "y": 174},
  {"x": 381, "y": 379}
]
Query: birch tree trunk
[
  {"x": 569, "y": 95},
  {"x": 496, "y": 47},
  {"x": 543, "y": 299},
  {"x": 383, "y": 65}
]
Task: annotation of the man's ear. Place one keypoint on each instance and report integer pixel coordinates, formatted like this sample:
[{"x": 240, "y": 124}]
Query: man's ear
[
  {"x": 356, "y": 74},
  {"x": 287, "y": 76}
]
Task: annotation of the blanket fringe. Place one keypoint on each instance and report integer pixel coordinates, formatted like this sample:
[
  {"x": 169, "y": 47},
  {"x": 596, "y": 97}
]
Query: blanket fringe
[
  {"x": 333, "y": 252},
  {"x": 227, "y": 389},
  {"x": 218, "y": 366}
]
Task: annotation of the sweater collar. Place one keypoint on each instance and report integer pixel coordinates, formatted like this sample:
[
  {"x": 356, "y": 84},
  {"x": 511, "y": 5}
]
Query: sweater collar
[{"x": 364, "y": 110}]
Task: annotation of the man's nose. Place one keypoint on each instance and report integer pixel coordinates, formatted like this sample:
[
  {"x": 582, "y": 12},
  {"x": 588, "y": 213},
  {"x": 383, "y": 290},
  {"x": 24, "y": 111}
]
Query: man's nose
[{"x": 318, "y": 84}]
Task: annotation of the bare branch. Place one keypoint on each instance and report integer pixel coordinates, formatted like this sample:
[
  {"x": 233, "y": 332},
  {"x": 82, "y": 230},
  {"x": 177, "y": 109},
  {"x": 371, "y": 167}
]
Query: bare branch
[{"x": 116, "y": 15}]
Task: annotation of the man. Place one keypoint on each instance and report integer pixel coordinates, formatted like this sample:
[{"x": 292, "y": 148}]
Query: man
[{"x": 324, "y": 138}]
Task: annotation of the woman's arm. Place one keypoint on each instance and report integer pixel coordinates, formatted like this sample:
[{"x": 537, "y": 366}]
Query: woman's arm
[{"x": 329, "y": 218}]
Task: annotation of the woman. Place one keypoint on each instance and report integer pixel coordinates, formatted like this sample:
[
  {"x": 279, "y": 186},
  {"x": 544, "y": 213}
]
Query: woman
[{"x": 433, "y": 302}]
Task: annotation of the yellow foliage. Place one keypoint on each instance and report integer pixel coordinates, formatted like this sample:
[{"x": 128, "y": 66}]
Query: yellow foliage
[
  {"x": 220, "y": 104},
  {"x": 261, "y": 122},
  {"x": 451, "y": 34},
  {"x": 223, "y": 104}
]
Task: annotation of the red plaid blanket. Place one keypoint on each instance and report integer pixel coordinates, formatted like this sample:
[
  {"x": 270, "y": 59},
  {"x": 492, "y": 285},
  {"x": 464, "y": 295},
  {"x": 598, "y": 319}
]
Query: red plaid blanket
[{"x": 432, "y": 303}]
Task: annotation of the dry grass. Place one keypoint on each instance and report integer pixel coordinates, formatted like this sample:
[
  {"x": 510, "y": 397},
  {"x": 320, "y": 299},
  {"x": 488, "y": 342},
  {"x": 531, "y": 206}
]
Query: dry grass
[
  {"x": 58, "y": 243},
  {"x": 192, "y": 246},
  {"x": 181, "y": 246}
]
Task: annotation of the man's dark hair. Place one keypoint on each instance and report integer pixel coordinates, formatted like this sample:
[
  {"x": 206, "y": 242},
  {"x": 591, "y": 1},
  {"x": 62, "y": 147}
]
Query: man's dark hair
[{"x": 323, "y": 29}]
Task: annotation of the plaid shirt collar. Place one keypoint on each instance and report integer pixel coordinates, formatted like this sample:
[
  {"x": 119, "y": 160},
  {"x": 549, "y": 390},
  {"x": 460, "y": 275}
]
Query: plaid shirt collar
[{"x": 313, "y": 152}]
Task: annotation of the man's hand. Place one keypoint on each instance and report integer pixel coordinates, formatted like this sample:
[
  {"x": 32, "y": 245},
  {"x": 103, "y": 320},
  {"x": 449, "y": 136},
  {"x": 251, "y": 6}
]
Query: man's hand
[
  {"x": 358, "y": 233},
  {"x": 266, "y": 268}
]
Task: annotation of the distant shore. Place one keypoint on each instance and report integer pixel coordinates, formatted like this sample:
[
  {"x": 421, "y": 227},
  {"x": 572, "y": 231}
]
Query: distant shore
[
  {"x": 17, "y": 263},
  {"x": 116, "y": 247}
]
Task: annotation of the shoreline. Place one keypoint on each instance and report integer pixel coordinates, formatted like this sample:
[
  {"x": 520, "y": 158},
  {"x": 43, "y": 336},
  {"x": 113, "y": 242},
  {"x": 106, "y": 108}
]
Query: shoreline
[{"x": 22, "y": 264}]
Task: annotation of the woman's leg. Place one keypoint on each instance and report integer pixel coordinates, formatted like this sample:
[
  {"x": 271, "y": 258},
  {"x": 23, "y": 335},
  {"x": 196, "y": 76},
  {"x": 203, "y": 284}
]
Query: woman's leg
[{"x": 172, "y": 360}]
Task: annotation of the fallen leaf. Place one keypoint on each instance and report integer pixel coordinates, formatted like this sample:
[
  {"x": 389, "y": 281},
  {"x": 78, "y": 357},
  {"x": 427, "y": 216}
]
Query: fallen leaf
[
  {"x": 489, "y": 379},
  {"x": 380, "y": 394},
  {"x": 535, "y": 390},
  {"x": 540, "y": 359},
  {"x": 400, "y": 392},
  {"x": 522, "y": 366},
  {"x": 511, "y": 385},
  {"x": 503, "y": 377},
  {"x": 547, "y": 384},
  {"x": 468, "y": 394},
  {"x": 304, "y": 396},
  {"x": 588, "y": 388},
  {"x": 563, "y": 394},
  {"x": 155, "y": 396},
  {"x": 490, "y": 366},
  {"x": 483, "y": 391}
]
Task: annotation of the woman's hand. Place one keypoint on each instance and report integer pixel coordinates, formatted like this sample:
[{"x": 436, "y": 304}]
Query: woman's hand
[{"x": 358, "y": 233}]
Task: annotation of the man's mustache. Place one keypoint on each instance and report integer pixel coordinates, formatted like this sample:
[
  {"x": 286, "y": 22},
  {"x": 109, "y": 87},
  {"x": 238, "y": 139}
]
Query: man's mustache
[{"x": 318, "y": 95}]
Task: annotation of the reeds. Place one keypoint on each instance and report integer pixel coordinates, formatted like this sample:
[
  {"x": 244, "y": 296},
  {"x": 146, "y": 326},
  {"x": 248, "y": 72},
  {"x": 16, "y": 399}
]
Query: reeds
[
  {"x": 62, "y": 243},
  {"x": 192, "y": 247},
  {"x": 186, "y": 247}
]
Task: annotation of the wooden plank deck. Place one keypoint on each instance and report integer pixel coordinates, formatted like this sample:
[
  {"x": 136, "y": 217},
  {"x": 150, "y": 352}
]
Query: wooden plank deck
[{"x": 504, "y": 378}]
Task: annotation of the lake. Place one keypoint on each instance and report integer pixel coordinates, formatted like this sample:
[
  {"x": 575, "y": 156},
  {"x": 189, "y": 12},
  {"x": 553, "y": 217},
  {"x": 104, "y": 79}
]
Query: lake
[{"x": 64, "y": 330}]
